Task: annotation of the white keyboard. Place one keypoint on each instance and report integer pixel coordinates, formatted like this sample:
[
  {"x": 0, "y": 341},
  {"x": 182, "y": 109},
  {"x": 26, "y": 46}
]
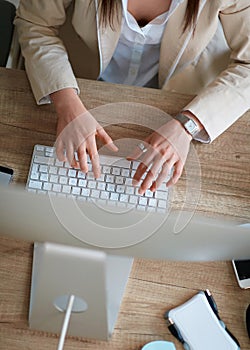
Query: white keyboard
[{"x": 48, "y": 175}]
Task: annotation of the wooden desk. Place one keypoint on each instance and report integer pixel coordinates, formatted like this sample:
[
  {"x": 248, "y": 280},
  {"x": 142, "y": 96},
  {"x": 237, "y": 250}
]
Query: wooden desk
[{"x": 154, "y": 286}]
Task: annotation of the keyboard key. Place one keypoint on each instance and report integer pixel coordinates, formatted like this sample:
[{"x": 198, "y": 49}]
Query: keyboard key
[
  {"x": 58, "y": 163},
  {"x": 143, "y": 201},
  {"x": 40, "y": 148},
  {"x": 110, "y": 187},
  {"x": 129, "y": 190},
  {"x": 53, "y": 170},
  {"x": 104, "y": 195},
  {"x": 95, "y": 193},
  {"x": 43, "y": 168},
  {"x": 34, "y": 176},
  {"x": 72, "y": 181},
  {"x": 124, "y": 198},
  {"x": 133, "y": 199},
  {"x": 57, "y": 188},
  {"x": 49, "y": 149},
  {"x": 114, "y": 196},
  {"x": 128, "y": 181},
  {"x": 110, "y": 178},
  {"x": 101, "y": 186},
  {"x": 116, "y": 171},
  {"x": 161, "y": 195},
  {"x": 81, "y": 175},
  {"x": 62, "y": 171},
  {"x": 152, "y": 202},
  {"x": 119, "y": 180},
  {"x": 148, "y": 194},
  {"x": 72, "y": 173},
  {"x": 66, "y": 189},
  {"x": 91, "y": 184},
  {"x": 35, "y": 184},
  {"x": 120, "y": 189},
  {"x": 101, "y": 178},
  {"x": 63, "y": 180},
  {"x": 125, "y": 172},
  {"x": 67, "y": 165},
  {"x": 85, "y": 192},
  {"x": 43, "y": 160},
  {"x": 106, "y": 169},
  {"x": 44, "y": 177},
  {"x": 54, "y": 178},
  {"x": 34, "y": 168},
  {"x": 76, "y": 191},
  {"x": 47, "y": 186},
  {"x": 82, "y": 183}
]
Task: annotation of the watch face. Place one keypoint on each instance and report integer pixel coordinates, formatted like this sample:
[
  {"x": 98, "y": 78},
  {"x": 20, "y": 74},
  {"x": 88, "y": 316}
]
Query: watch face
[{"x": 191, "y": 126}]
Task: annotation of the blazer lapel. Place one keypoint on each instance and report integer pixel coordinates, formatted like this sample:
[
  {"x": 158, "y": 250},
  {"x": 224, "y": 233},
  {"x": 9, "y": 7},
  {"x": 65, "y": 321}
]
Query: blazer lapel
[{"x": 84, "y": 22}]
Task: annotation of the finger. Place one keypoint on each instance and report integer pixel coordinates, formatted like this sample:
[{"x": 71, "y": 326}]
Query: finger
[
  {"x": 163, "y": 175},
  {"x": 70, "y": 153},
  {"x": 96, "y": 165},
  {"x": 82, "y": 156},
  {"x": 75, "y": 164},
  {"x": 139, "y": 173},
  {"x": 143, "y": 166},
  {"x": 60, "y": 151},
  {"x": 106, "y": 139},
  {"x": 94, "y": 157},
  {"x": 152, "y": 174},
  {"x": 177, "y": 173},
  {"x": 146, "y": 183}
]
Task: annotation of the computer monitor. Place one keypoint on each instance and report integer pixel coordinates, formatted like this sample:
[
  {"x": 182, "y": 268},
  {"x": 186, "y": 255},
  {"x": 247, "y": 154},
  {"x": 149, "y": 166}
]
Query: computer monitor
[
  {"x": 174, "y": 235},
  {"x": 86, "y": 248}
]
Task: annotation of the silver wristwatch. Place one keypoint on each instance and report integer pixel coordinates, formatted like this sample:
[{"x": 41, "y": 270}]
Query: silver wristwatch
[{"x": 189, "y": 124}]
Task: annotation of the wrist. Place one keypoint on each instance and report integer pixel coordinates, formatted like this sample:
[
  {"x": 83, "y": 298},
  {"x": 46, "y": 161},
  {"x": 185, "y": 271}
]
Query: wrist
[
  {"x": 62, "y": 97},
  {"x": 66, "y": 101}
]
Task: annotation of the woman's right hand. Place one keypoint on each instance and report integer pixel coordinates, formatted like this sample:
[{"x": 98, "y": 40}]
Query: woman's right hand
[{"x": 77, "y": 130}]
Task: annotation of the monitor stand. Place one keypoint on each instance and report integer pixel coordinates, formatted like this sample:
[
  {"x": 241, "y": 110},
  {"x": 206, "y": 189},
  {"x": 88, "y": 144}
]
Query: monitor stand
[{"x": 97, "y": 281}]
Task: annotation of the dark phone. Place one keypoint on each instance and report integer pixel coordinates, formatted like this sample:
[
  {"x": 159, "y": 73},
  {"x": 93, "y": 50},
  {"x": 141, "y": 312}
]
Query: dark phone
[
  {"x": 5, "y": 175},
  {"x": 242, "y": 272},
  {"x": 243, "y": 268},
  {"x": 248, "y": 320}
]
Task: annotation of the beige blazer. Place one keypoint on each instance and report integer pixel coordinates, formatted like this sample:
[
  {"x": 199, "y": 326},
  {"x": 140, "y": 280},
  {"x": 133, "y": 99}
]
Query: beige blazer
[{"x": 61, "y": 40}]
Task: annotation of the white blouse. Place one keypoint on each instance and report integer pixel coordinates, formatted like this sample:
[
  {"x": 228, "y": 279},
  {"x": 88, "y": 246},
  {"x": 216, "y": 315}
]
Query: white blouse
[{"x": 136, "y": 57}]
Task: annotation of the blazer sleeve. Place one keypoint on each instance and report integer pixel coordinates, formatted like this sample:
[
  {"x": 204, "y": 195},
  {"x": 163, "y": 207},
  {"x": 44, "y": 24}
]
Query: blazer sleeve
[
  {"x": 46, "y": 60},
  {"x": 222, "y": 102}
]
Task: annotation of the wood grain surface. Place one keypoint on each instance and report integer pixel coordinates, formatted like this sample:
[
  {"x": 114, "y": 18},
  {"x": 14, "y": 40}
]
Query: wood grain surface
[{"x": 223, "y": 170}]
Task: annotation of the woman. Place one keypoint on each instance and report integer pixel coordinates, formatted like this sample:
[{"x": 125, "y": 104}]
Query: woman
[{"x": 180, "y": 45}]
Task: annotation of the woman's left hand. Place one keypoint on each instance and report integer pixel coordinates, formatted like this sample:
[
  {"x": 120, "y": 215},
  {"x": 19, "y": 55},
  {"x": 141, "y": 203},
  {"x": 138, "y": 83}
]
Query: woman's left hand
[{"x": 166, "y": 148}]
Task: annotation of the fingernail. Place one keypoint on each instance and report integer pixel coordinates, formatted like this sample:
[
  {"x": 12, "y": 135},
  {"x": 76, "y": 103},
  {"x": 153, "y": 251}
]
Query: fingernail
[
  {"x": 141, "y": 191},
  {"x": 114, "y": 146},
  {"x": 134, "y": 182}
]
